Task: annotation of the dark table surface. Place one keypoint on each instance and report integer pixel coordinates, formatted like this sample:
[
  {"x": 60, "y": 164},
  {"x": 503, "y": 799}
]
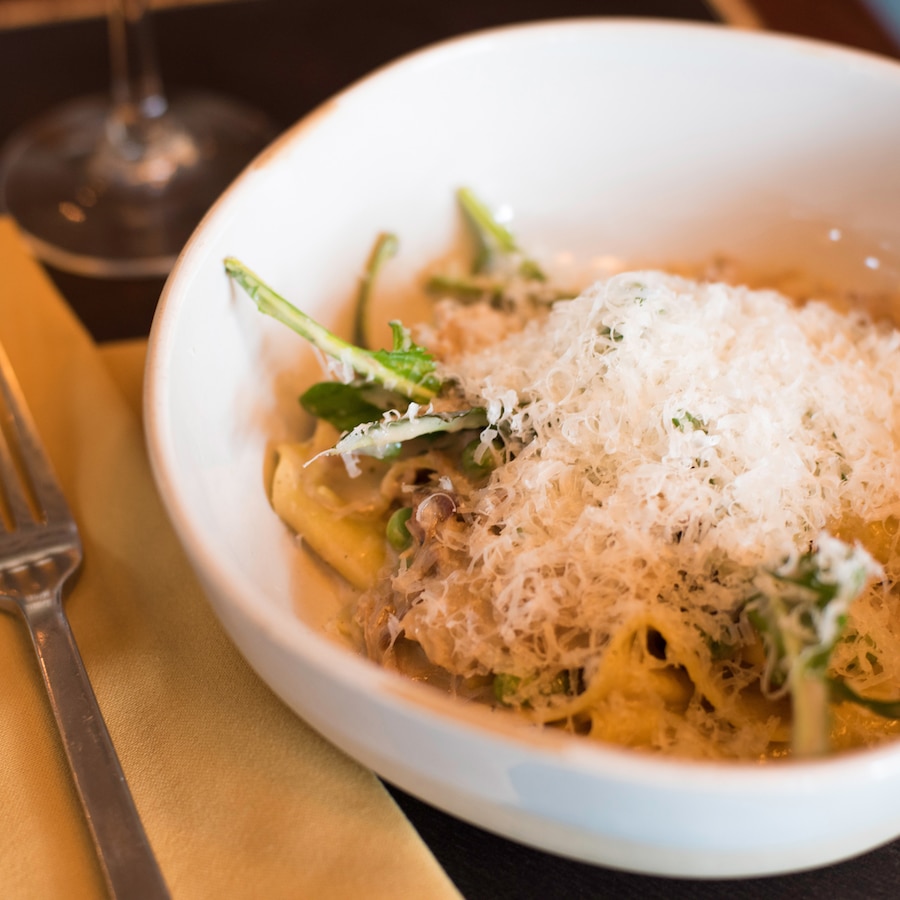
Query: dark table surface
[{"x": 287, "y": 56}]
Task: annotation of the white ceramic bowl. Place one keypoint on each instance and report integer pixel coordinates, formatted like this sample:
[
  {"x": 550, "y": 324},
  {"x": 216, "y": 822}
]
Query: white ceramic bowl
[{"x": 638, "y": 141}]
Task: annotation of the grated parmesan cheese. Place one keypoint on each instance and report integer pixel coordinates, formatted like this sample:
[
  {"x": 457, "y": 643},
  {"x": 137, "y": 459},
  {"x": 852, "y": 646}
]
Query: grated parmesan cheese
[{"x": 668, "y": 440}]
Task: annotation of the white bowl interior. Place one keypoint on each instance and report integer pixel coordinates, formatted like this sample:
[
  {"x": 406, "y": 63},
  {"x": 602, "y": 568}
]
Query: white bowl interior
[{"x": 613, "y": 142}]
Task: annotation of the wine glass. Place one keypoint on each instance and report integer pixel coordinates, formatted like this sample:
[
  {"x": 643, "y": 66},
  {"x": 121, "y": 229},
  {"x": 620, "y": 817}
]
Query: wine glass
[{"x": 112, "y": 186}]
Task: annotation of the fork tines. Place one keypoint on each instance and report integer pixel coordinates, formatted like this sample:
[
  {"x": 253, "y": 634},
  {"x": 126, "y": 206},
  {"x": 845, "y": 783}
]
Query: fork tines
[{"x": 30, "y": 492}]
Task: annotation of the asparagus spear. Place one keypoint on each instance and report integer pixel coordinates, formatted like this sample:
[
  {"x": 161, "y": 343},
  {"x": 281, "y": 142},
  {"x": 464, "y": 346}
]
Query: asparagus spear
[
  {"x": 498, "y": 262},
  {"x": 407, "y": 368},
  {"x": 800, "y": 612},
  {"x": 493, "y": 237},
  {"x": 489, "y": 234},
  {"x": 386, "y": 246},
  {"x": 383, "y": 438}
]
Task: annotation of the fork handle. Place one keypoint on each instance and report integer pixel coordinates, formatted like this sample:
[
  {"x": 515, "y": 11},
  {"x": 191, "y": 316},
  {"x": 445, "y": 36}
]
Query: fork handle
[{"x": 127, "y": 860}]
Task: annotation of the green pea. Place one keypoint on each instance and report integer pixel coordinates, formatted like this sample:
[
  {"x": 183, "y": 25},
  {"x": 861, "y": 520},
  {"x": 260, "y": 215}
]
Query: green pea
[
  {"x": 474, "y": 468},
  {"x": 397, "y": 533}
]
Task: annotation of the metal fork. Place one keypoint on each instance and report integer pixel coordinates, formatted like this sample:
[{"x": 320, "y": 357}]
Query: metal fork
[{"x": 39, "y": 550}]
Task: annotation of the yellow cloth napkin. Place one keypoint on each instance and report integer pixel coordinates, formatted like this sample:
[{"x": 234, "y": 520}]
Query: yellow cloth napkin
[{"x": 239, "y": 797}]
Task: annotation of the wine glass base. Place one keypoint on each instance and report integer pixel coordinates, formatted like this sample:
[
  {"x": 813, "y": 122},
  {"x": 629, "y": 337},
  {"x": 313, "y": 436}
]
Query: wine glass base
[{"x": 93, "y": 206}]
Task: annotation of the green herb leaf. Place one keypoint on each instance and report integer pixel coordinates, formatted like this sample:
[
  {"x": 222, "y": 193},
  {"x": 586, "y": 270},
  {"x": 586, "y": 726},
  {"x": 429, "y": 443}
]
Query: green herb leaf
[
  {"x": 409, "y": 360},
  {"x": 343, "y": 405},
  {"x": 685, "y": 419},
  {"x": 841, "y": 691}
]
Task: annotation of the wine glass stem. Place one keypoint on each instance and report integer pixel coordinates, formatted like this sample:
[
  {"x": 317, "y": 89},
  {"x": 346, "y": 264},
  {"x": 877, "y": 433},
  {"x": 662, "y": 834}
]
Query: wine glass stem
[{"x": 137, "y": 93}]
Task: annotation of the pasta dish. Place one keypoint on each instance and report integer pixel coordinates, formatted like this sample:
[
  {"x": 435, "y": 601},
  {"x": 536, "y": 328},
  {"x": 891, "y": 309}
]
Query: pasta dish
[{"x": 661, "y": 512}]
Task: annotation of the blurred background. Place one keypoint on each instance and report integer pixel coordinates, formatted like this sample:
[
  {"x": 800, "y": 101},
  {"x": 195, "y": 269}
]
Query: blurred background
[{"x": 288, "y": 55}]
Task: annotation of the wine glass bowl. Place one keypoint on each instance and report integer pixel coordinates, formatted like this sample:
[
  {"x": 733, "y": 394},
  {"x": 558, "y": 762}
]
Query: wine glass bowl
[
  {"x": 113, "y": 186},
  {"x": 98, "y": 199}
]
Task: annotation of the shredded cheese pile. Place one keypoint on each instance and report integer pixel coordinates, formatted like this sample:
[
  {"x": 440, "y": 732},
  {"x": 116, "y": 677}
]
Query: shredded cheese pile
[{"x": 668, "y": 440}]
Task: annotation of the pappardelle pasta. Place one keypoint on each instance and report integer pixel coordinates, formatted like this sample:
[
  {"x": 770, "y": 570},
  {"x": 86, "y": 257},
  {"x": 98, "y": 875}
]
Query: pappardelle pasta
[{"x": 660, "y": 512}]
